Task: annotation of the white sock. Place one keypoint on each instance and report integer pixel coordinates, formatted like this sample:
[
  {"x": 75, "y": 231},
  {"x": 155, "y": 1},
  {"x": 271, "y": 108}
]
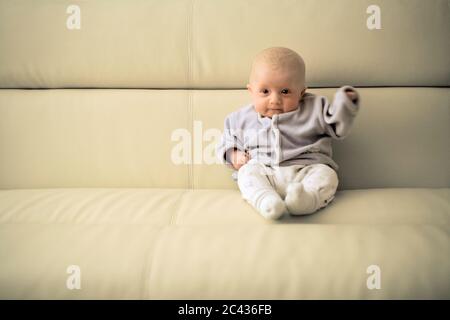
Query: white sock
[
  {"x": 271, "y": 206},
  {"x": 299, "y": 201}
]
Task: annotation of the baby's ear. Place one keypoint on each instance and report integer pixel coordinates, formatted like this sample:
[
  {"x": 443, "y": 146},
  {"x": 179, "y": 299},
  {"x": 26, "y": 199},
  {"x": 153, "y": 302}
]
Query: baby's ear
[{"x": 303, "y": 92}]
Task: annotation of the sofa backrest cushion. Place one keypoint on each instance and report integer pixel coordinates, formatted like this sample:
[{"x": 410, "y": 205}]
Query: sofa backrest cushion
[
  {"x": 210, "y": 44},
  {"x": 109, "y": 120}
]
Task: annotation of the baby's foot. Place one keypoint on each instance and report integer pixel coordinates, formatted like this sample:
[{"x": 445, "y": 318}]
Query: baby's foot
[
  {"x": 271, "y": 207},
  {"x": 299, "y": 201}
]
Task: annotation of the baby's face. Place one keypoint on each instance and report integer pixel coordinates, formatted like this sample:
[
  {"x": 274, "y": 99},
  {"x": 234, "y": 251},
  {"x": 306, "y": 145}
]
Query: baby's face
[{"x": 275, "y": 91}]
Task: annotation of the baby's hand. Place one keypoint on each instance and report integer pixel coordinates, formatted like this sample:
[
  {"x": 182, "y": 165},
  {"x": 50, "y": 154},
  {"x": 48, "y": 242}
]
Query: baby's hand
[
  {"x": 239, "y": 158},
  {"x": 352, "y": 95}
]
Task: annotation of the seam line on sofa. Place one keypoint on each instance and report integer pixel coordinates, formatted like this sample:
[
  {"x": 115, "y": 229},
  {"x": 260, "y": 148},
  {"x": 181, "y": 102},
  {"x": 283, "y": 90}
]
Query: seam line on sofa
[
  {"x": 189, "y": 44},
  {"x": 190, "y": 35},
  {"x": 191, "y": 129},
  {"x": 146, "y": 290}
]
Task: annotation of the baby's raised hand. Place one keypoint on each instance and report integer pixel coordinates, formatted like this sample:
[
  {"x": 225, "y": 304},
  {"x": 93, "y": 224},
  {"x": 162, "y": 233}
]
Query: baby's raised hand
[
  {"x": 352, "y": 95},
  {"x": 239, "y": 158}
]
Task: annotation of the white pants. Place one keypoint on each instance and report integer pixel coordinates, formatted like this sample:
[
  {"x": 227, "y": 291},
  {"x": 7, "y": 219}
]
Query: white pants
[{"x": 304, "y": 188}]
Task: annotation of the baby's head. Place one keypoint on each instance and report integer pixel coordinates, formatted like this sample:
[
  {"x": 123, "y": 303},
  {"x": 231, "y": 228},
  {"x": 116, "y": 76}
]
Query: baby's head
[{"x": 277, "y": 81}]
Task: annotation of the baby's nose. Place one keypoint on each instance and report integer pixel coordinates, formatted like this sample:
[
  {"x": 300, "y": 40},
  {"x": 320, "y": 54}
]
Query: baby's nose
[
  {"x": 276, "y": 98},
  {"x": 275, "y": 103}
]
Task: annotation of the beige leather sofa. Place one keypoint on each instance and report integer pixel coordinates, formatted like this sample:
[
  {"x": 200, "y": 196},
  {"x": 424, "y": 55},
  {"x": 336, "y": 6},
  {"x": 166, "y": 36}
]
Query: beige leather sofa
[{"x": 99, "y": 100}]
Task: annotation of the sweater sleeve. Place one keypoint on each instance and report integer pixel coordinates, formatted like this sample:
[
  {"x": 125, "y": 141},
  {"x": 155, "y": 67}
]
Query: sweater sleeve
[
  {"x": 339, "y": 115},
  {"x": 230, "y": 139}
]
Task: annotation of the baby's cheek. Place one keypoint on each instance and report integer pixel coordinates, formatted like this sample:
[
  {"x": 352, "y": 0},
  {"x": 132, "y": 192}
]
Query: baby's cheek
[{"x": 260, "y": 108}]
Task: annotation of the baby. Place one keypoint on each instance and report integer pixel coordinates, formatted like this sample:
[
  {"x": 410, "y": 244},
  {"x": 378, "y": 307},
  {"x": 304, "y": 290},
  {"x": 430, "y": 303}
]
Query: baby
[{"x": 280, "y": 145}]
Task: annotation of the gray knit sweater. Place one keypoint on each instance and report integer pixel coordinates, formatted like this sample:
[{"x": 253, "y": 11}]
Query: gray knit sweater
[{"x": 301, "y": 136}]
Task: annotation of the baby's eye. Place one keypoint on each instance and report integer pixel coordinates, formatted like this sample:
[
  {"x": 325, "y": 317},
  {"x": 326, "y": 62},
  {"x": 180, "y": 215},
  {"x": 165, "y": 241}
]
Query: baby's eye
[
  {"x": 285, "y": 91},
  {"x": 265, "y": 91}
]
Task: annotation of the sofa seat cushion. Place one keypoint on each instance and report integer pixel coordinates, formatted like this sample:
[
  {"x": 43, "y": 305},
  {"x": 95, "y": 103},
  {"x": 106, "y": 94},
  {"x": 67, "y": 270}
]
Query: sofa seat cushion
[
  {"x": 207, "y": 207},
  {"x": 176, "y": 243},
  {"x": 301, "y": 262}
]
